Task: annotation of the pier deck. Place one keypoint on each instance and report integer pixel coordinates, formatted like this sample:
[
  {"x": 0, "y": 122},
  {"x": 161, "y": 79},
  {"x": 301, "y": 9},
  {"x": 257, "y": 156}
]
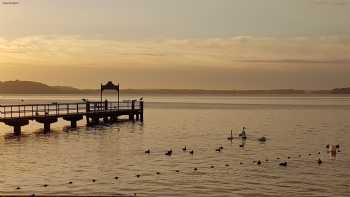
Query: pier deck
[{"x": 20, "y": 115}]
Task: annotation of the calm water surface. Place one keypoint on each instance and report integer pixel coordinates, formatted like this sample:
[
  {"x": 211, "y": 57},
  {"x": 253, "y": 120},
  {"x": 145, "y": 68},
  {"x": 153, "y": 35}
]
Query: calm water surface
[{"x": 293, "y": 126}]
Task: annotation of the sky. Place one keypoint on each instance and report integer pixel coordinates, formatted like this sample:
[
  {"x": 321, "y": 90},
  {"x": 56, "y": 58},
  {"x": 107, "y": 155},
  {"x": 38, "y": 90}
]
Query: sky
[{"x": 185, "y": 44}]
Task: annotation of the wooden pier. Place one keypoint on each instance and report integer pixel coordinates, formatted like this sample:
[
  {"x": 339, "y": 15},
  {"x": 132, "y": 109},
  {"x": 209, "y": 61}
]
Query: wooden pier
[{"x": 20, "y": 115}]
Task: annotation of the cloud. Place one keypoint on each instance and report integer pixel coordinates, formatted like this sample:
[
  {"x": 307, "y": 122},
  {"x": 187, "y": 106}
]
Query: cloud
[
  {"x": 295, "y": 61},
  {"x": 225, "y": 52}
]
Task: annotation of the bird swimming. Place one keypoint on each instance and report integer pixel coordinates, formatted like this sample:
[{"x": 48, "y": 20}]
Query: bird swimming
[
  {"x": 243, "y": 134},
  {"x": 319, "y": 161},
  {"x": 191, "y": 152},
  {"x": 169, "y": 153},
  {"x": 262, "y": 139},
  {"x": 184, "y": 148},
  {"x": 283, "y": 163},
  {"x": 148, "y": 151}
]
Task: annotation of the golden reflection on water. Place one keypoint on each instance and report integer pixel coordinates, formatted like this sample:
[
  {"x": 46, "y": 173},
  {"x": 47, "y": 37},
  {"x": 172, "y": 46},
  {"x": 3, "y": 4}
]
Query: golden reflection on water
[{"x": 106, "y": 151}]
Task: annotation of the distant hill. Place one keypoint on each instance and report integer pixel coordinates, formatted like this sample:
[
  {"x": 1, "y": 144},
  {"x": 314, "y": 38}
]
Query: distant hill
[
  {"x": 341, "y": 91},
  {"x": 31, "y": 87}
]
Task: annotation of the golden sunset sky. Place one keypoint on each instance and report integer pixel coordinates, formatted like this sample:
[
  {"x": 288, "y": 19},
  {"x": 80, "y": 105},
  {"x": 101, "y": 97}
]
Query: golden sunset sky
[{"x": 206, "y": 44}]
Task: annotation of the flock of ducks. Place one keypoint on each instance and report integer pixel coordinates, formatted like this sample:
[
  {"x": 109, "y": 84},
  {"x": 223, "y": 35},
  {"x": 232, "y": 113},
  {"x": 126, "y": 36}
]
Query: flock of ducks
[{"x": 332, "y": 149}]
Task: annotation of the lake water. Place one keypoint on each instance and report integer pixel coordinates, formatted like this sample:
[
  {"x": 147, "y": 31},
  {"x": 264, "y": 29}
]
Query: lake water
[{"x": 293, "y": 125}]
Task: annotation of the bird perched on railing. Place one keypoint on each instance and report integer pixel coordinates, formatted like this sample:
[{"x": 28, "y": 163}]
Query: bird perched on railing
[{"x": 141, "y": 99}]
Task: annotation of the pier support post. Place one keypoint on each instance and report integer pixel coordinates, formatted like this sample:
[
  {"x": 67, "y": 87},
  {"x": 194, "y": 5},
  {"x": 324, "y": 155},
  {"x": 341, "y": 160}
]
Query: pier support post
[
  {"x": 47, "y": 121},
  {"x": 17, "y": 130},
  {"x": 105, "y": 119},
  {"x": 88, "y": 120},
  {"x": 95, "y": 120},
  {"x": 47, "y": 127},
  {"x": 16, "y": 123},
  {"x": 141, "y": 108},
  {"x": 73, "y": 124},
  {"x": 73, "y": 120},
  {"x": 113, "y": 119}
]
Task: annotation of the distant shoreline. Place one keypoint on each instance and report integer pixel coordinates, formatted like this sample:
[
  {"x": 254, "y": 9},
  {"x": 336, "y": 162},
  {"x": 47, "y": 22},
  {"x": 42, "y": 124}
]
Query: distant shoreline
[{"x": 30, "y": 87}]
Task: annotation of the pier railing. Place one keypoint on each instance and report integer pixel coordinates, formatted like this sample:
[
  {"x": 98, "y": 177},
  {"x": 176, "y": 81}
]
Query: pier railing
[{"x": 62, "y": 109}]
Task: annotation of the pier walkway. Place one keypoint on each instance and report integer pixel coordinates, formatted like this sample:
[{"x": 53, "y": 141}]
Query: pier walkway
[{"x": 20, "y": 115}]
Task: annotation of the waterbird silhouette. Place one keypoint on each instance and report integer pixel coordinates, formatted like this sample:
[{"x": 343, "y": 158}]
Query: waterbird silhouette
[
  {"x": 18, "y": 188},
  {"x": 259, "y": 162},
  {"x": 218, "y": 150},
  {"x": 288, "y": 157},
  {"x": 116, "y": 177},
  {"x": 148, "y": 151},
  {"x": 221, "y": 147},
  {"x": 70, "y": 182},
  {"x": 262, "y": 139},
  {"x": 243, "y": 134},
  {"x": 191, "y": 152},
  {"x": 138, "y": 176},
  {"x": 45, "y": 185},
  {"x": 93, "y": 180},
  {"x": 211, "y": 166},
  {"x": 158, "y": 173},
  {"x": 169, "y": 153},
  {"x": 195, "y": 169},
  {"x": 319, "y": 161},
  {"x": 327, "y": 146},
  {"x": 283, "y": 163},
  {"x": 177, "y": 170},
  {"x": 227, "y": 165},
  {"x": 184, "y": 148}
]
